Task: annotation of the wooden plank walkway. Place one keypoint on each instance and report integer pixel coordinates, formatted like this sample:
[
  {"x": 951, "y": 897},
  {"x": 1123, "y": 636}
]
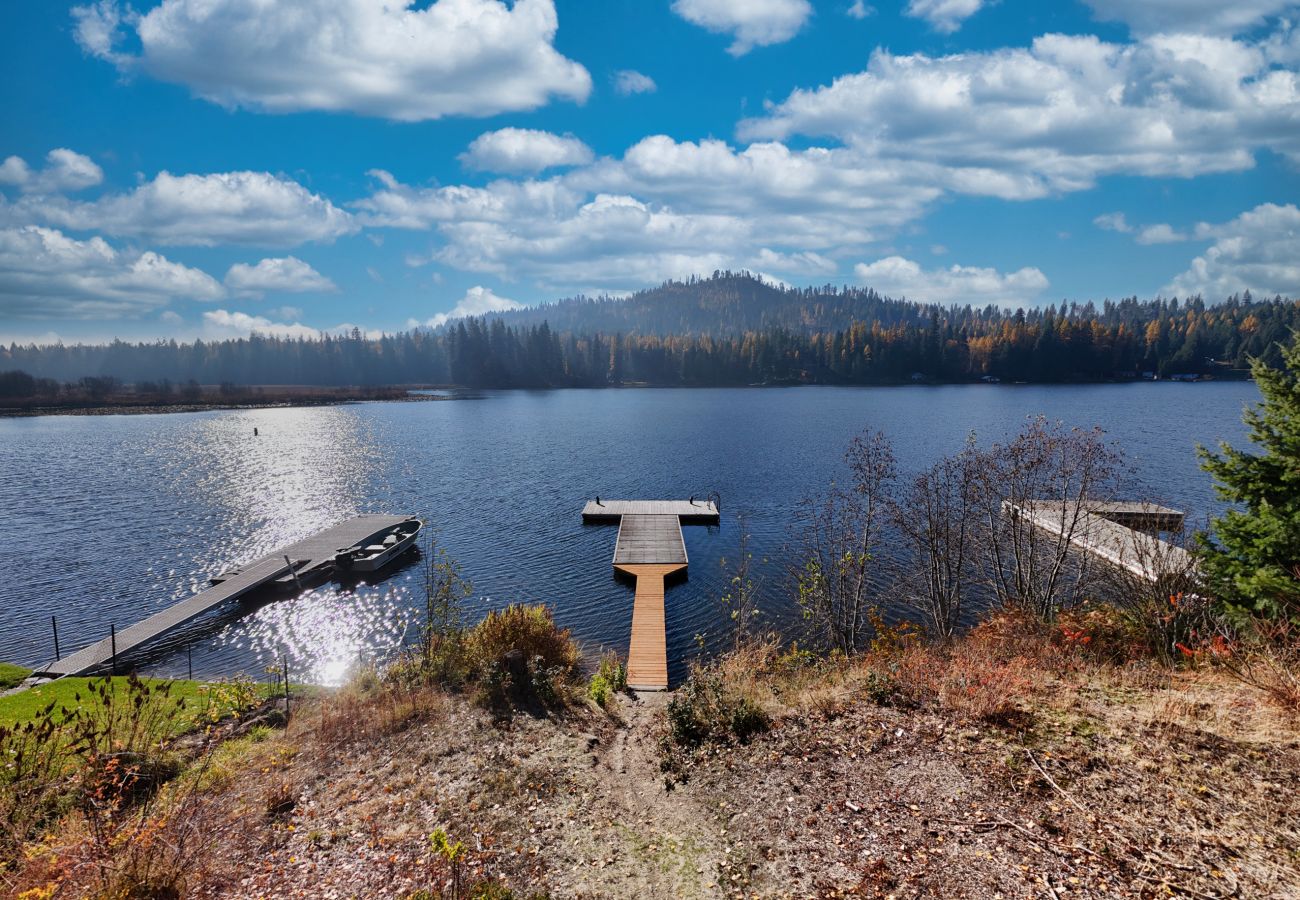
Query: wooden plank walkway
[
  {"x": 1096, "y": 532},
  {"x": 311, "y": 557},
  {"x": 650, "y": 548},
  {"x": 647, "y": 651},
  {"x": 686, "y": 510},
  {"x": 650, "y": 539}
]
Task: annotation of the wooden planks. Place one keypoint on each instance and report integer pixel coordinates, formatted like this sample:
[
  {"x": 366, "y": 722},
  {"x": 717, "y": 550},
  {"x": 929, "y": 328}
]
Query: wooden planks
[
  {"x": 692, "y": 511},
  {"x": 1095, "y": 532},
  {"x": 100, "y": 653},
  {"x": 647, "y": 652},
  {"x": 311, "y": 558},
  {"x": 650, "y": 548},
  {"x": 650, "y": 539}
]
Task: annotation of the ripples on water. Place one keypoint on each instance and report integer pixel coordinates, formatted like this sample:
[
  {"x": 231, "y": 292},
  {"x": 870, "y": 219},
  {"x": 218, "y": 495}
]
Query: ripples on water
[{"x": 107, "y": 519}]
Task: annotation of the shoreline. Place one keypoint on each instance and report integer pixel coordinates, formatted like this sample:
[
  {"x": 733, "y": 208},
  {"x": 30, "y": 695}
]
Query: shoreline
[
  {"x": 405, "y": 395},
  {"x": 136, "y": 409}
]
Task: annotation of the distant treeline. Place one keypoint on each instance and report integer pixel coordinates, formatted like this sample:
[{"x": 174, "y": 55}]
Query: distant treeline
[{"x": 725, "y": 330}]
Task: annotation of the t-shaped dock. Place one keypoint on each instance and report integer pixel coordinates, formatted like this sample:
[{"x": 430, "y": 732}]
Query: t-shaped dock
[{"x": 650, "y": 548}]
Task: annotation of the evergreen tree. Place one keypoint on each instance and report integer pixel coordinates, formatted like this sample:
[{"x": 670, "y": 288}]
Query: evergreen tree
[{"x": 1252, "y": 559}]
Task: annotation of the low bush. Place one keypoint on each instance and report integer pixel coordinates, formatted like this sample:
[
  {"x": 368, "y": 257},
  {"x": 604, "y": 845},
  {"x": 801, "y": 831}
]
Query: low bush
[
  {"x": 610, "y": 678},
  {"x": 527, "y": 629},
  {"x": 513, "y": 655},
  {"x": 709, "y": 708}
]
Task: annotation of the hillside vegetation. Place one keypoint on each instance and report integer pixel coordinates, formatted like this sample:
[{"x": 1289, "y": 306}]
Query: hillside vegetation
[{"x": 725, "y": 330}]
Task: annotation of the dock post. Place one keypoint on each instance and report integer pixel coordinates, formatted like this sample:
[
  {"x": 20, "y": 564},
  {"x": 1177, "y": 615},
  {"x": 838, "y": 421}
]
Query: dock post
[
  {"x": 54, "y": 623},
  {"x": 285, "y": 660},
  {"x": 293, "y": 572},
  {"x": 189, "y": 658},
  {"x": 112, "y": 633}
]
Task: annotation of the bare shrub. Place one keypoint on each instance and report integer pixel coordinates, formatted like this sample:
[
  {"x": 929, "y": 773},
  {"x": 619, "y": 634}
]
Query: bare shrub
[
  {"x": 1263, "y": 653},
  {"x": 741, "y": 599},
  {"x": 938, "y": 519},
  {"x": 1057, "y": 471},
  {"x": 1166, "y": 607},
  {"x": 839, "y": 574}
]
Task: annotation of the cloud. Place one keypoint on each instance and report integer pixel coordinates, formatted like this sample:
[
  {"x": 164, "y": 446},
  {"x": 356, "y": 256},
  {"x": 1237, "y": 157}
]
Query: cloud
[
  {"x": 1203, "y": 16},
  {"x": 477, "y": 301},
  {"x": 1159, "y": 234},
  {"x": 945, "y": 16},
  {"x": 1259, "y": 251},
  {"x": 518, "y": 150},
  {"x": 753, "y": 23},
  {"x": 630, "y": 81},
  {"x": 397, "y": 60},
  {"x": 65, "y": 170},
  {"x": 46, "y": 274},
  {"x": 1113, "y": 222},
  {"x": 899, "y": 277},
  {"x": 666, "y": 209},
  {"x": 284, "y": 275},
  {"x": 220, "y": 324},
  {"x": 202, "y": 210},
  {"x": 1054, "y": 117},
  {"x": 860, "y": 10}
]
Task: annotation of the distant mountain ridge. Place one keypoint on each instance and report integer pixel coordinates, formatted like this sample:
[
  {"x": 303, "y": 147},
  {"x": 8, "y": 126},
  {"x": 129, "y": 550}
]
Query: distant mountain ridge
[
  {"x": 728, "y": 329},
  {"x": 726, "y": 304}
]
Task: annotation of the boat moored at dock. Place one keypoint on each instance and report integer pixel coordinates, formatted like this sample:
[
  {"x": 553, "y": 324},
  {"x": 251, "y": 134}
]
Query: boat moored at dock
[{"x": 380, "y": 550}]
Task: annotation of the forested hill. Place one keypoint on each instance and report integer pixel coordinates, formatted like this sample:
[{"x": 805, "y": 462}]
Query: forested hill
[
  {"x": 725, "y": 330},
  {"x": 725, "y": 305}
]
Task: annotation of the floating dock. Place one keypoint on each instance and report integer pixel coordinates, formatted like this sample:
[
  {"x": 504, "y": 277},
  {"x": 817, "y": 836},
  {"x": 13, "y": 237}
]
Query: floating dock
[
  {"x": 651, "y": 549},
  {"x": 308, "y": 561},
  {"x": 1120, "y": 533}
]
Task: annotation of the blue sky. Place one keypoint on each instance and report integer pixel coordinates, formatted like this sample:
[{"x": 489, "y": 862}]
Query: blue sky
[{"x": 209, "y": 167}]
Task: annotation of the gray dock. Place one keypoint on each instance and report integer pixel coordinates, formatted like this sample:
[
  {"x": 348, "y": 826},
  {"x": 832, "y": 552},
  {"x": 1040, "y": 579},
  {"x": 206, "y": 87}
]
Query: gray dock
[
  {"x": 1117, "y": 532},
  {"x": 650, "y": 548},
  {"x": 308, "y": 560}
]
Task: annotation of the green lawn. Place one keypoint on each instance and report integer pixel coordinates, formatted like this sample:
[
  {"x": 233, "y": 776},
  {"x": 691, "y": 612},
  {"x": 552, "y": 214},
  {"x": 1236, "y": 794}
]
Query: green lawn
[
  {"x": 203, "y": 702},
  {"x": 11, "y": 675}
]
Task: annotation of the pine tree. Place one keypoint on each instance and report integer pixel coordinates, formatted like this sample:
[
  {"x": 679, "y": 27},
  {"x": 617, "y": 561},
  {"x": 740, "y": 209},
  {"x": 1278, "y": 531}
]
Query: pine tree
[{"x": 1252, "y": 558}]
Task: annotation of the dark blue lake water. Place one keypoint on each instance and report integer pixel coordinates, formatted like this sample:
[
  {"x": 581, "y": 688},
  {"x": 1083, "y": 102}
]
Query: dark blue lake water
[{"x": 107, "y": 519}]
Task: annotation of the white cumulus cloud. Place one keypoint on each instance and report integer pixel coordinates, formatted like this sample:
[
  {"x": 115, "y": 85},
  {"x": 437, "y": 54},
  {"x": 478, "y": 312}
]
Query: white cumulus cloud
[
  {"x": 752, "y": 23},
  {"x": 1258, "y": 251},
  {"x": 1058, "y": 115},
  {"x": 202, "y": 210},
  {"x": 1115, "y": 221},
  {"x": 1160, "y": 233},
  {"x": 477, "y": 301},
  {"x": 630, "y": 81},
  {"x": 286, "y": 274},
  {"x": 65, "y": 170},
  {"x": 397, "y": 59},
  {"x": 1205, "y": 16},
  {"x": 517, "y": 150},
  {"x": 666, "y": 209},
  {"x": 899, "y": 277},
  {"x": 220, "y": 324},
  {"x": 944, "y": 16},
  {"x": 45, "y": 273}
]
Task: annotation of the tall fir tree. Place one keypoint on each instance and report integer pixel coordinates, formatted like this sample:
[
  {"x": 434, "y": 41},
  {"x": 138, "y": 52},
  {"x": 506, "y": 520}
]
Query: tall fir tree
[{"x": 1252, "y": 557}]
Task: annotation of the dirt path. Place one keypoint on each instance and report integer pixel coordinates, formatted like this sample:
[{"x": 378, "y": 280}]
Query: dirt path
[{"x": 667, "y": 840}]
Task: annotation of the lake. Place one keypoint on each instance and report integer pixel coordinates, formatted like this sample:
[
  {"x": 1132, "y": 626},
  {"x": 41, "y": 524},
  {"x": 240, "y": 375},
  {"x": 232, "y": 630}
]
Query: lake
[{"x": 106, "y": 519}]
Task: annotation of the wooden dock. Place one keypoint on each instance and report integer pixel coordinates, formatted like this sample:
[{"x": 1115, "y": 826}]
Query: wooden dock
[
  {"x": 1119, "y": 533},
  {"x": 650, "y": 548},
  {"x": 308, "y": 560}
]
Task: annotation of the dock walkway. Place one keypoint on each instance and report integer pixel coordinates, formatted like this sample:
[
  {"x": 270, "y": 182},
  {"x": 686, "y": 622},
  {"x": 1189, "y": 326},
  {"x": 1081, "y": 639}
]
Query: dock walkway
[
  {"x": 1114, "y": 532},
  {"x": 309, "y": 559},
  {"x": 650, "y": 548}
]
